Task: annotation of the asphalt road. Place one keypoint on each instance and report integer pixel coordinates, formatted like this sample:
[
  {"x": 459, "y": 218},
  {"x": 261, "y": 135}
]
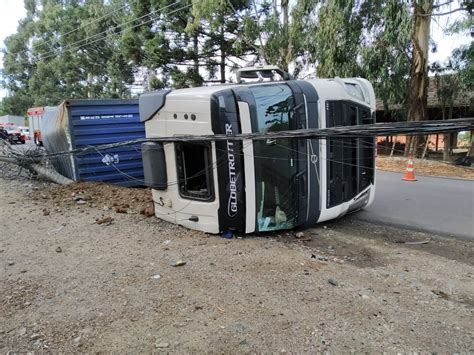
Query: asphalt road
[{"x": 441, "y": 205}]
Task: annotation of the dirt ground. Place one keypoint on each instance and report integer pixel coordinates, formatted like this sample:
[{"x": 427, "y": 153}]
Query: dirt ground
[
  {"x": 424, "y": 167},
  {"x": 84, "y": 269}
]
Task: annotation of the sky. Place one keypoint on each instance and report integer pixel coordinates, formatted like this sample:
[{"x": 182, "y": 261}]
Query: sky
[{"x": 11, "y": 11}]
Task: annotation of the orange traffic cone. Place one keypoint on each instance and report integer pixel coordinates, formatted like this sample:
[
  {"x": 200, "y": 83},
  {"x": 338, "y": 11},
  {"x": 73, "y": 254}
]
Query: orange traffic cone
[{"x": 410, "y": 173}]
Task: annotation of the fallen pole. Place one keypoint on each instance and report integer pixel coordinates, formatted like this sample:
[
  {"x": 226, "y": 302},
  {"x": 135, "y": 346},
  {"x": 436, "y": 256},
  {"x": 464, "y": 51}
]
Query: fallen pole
[{"x": 43, "y": 171}]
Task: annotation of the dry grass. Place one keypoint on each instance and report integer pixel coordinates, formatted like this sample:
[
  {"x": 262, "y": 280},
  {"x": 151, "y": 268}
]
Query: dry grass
[{"x": 425, "y": 167}]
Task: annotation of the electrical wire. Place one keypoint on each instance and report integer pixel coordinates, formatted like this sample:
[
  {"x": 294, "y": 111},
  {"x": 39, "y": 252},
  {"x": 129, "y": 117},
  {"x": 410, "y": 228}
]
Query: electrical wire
[
  {"x": 68, "y": 47},
  {"x": 86, "y": 24},
  {"x": 286, "y": 197},
  {"x": 360, "y": 131},
  {"x": 200, "y": 173},
  {"x": 115, "y": 27}
]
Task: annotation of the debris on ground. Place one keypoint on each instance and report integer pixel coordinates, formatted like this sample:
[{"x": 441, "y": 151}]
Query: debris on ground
[
  {"x": 104, "y": 220},
  {"x": 147, "y": 211},
  {"x": 417, "y": 242},
  {"x": 299, "y": 235},
  {"x": 121, "y": 209},
  {"x": 441, "y": 294},
  {"x": 179, "y": 263},
  {"x": 111, "y": 197}
]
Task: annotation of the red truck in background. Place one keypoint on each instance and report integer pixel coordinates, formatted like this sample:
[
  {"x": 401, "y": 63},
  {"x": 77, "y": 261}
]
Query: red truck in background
[
  {"x": 35, "y": 115},
  {"x": 14, "y": 134}
]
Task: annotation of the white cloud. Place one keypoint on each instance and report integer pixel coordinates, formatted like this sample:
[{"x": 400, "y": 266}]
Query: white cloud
[{"x": 11, "y": 11}]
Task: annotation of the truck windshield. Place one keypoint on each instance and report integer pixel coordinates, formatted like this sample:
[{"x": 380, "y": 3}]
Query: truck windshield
[{"x": 275, "y": 163}]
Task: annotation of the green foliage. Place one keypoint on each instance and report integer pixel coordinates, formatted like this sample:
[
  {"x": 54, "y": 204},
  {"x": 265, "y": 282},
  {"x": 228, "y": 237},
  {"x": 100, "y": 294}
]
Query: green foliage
[
  {"x": 370, "y": 39},
  {"x": 386, "y": 59},
  {"x": 47, "y": 61},
  {"x": 337, "y": 41},
  {"x": 99, "y": 48},
  {"x": 455, "y": 78},
  {"x": 281, "y": 35}
]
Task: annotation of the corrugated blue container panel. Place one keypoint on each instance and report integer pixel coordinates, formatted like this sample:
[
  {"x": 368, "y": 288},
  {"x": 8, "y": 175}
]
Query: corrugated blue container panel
[{"x": 96, "y": 122}]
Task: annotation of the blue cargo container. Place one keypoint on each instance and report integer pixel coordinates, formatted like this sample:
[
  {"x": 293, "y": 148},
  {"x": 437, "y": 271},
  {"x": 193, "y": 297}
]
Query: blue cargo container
[{"x": 84, "y": 123}]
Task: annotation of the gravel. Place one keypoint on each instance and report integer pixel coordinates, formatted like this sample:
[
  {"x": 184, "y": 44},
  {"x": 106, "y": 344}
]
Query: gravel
[{"x": 260, "y": 294}]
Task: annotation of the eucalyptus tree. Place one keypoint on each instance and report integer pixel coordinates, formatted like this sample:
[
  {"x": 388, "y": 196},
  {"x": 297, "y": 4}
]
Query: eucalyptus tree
[
  {"x": 371, "y": 39},
  {"x": 423, "y": 12}
]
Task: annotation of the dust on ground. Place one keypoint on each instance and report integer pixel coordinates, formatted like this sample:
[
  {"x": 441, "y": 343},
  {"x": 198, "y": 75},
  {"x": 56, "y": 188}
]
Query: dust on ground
[
  {"x": 424, "y": 167},
  {"x": 71, "y": 284}
]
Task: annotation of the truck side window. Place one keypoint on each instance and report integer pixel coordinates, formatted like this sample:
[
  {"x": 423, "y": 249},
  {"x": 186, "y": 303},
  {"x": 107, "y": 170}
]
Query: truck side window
[{"x": 194, "y": 167}]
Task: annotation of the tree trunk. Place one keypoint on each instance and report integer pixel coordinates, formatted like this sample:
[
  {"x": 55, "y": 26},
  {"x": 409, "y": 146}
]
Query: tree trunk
[
  {"x": 195, "y": 56},
  {"x": 419, "y": 69},
  {"x": 90, "y": 92},
  {"x": 223, "y": 54},
  {"x": 150, "y": 74},
  {"x": 445, "y": 136},
  {"x": 426, "y": 147},
  {"x": 449, "y": 137},
  {"x": 287, "y": 53},
  {"x": 470, "y": 152},
  {"x": 447, "y": 146},
  {"x": 261, "y": 49},
  {"x": 453, "y": 138}
]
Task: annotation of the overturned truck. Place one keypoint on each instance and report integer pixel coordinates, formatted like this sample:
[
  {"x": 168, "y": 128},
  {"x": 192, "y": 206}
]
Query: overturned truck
[{"x": 259, "y": 185}]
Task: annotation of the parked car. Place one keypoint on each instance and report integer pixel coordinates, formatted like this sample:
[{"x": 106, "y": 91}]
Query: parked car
[
  {"x": 25, "y": 132},
  {"x": 14, "y": 135},
  {"x": 3, "y": 133}
]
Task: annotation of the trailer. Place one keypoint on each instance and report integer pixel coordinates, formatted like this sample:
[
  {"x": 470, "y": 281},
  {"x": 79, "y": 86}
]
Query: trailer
[
  {"x": 76, "y": 124},
  {"x": 13, "y": 120},
  {"x": 259, "y": 185},
  {"x": 35, "y": 116}
]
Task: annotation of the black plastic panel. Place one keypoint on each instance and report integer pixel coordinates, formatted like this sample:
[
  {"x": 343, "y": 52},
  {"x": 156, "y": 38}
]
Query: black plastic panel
[
  {"x": 350, "y": 161},
  {"x": 151, "y": 102}
]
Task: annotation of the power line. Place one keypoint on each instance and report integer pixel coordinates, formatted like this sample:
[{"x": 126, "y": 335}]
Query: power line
[
  {"x": 360, "y": 131},
  {"x": 70, "y": 47},
  {"x": 88, "y": 23}
]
